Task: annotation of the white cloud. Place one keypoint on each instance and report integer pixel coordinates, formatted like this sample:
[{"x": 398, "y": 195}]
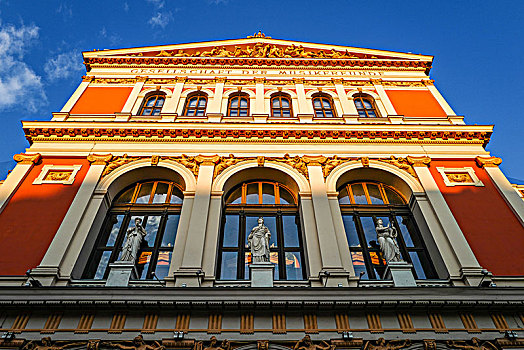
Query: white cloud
[
  {"x": 66, "y": 10},
  {"x": 111, "y": 39},
  {"x": 126, "y": 6},
  {"x": 161, "y": 19},
  {"x": 158, "y": 4},
  {"x": 65, "y": 65},
  {"x": 20, "y": 86}
]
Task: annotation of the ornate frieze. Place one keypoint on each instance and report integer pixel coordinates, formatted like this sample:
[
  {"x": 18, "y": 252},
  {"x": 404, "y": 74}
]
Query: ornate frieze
[
  {"x": 382, "y": 344},
  {"x": 473, "y": 344}
]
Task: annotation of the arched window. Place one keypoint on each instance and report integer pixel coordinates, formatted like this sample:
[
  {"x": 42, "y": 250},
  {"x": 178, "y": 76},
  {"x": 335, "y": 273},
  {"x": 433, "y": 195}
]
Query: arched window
[
  {"x": 158, "y": 205},
  {"x": 278, "y": 206},
  {"x": 323, "y": 106},
  {"x": 152, "y": 104},
  {"x": 238, "y": 105},
  {"x": 281, "y": 106},
  {"x": 362, "y": 204},
  {"x": 196, "y": 104},
  {"x": 366, "y": 106}
]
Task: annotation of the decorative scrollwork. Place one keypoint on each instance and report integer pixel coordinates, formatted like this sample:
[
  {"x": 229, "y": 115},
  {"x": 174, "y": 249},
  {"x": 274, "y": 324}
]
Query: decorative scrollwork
[{"x": 401, "y": 163}]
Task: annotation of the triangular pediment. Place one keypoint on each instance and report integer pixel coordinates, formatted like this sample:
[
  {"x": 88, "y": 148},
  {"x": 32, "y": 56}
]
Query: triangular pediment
[{"x": 258, "y": 47}]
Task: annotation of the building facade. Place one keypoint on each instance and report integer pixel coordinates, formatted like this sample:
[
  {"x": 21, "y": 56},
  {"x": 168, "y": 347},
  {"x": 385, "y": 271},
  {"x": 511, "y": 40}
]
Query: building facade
[{"x": 134, "y": 207}]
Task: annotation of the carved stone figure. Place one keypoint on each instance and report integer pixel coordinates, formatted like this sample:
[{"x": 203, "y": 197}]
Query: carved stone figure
[
  {"x": 473, "y": 344},
  {"x": 134, "y": 238},
  {"x": 47, "y": 344},
  {"x": 226, "y": 345},
  {"x": 387, "y": 239},
  {"x": 138, "y": 343},
  {"x": 258, "y": 242},
  {"x": 382, "y": 344},
  {"x": 307, "y": 344}
]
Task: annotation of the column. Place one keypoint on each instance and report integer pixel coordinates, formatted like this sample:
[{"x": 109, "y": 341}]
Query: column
[
  {"x": 340, "y": 233},
  {"x": 348, "y": 108},
  {"x": 189, "y": 274},
  {"x": 259, "y": 97},
  {"x": 304, "y": 107},
  {"x": 76, "y": 95},
  {"x": 49, "y": 269},
  {"x": 214, "y": 107},
  {"x": 17, "y": 176},
  {"x": 311, "y": 245},
  {"x": 377, "y": 83},
  {"x": 443, "y": 103},
  {"x": 470, "y": 269},
  {"x": 332, "y": 270},
  {"x": 491, "y": 165},
  {"x": 171, "y": 105},
  {"x": 131, "y": 100},
  {"x": 212, "y": 233}
]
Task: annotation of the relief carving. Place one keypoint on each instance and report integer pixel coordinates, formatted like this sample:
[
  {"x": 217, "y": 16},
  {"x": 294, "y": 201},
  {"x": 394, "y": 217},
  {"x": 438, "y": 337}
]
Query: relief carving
[
  {"x": 137, "y": 343},
  {"x": 401, "y": 163},
  {"x": 473, "y": 344},
  {"x": 382, "y": 344},
  {"x": 47, "y": 344}
]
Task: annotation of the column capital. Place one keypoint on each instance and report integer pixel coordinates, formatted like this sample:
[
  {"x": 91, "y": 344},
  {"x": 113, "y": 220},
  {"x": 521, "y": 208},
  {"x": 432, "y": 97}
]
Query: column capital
[
  {"x": 259, "y": 80},
  {"x": 419, "y": 161},
  {"x": 99, "y": 159},
  {"x": 87, "y": 78},
  {"x": 314, "y": 160},
  {"x": 141, "y": 78},
  {"x": 488, "y": 162},
  {"x": 180, "y": 79},
  {"x": 220, "y": 79},
  {"x": 23, "y": 158},
  {"x": 207, "y": 160},
  {"x": 298, "y": 80}
]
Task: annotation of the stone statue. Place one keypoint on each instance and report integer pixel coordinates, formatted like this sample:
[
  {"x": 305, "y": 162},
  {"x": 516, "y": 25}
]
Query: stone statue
[
  {"x": 382, "y": 344},
  {"x": 134, "y": 238},
  {"x": 138, "y": 343},
  {"x": 47, "y": 344},
  {"x": 258, "y": 242},
  {"x": 387, "y": 239},
  {"x": 307, "y": 344}
]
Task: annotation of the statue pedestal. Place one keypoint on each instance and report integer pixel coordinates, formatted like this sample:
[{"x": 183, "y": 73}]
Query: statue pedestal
[
  {"x": 120, "y": 274},
  {"x": 401, "y": 273},
  {"x": 261, "y": 274}
]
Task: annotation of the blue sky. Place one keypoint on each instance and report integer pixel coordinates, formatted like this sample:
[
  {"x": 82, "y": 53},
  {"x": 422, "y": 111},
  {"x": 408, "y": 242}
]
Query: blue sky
[{"x": 478, "y": 48}]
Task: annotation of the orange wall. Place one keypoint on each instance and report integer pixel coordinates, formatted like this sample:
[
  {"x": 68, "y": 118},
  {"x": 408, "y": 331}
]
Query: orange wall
[
  {"x": 32, "y": 217},
  {"x": 101, "y": 100},
  {"x": 489, "y": 225},
  {"x": 415, "y": 103}
]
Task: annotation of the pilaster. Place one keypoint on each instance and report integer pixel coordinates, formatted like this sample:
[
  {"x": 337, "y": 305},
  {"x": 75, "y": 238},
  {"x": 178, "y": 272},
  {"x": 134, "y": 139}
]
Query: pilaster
[
  {"x": 303, "y": 106},
  {"x": 491, "y": 165},
  {"x": 438, "y": 96},
  {"x": 470, "y": 269},
  {"x": 48, "y": 271},
  {"x": 17, "y": 176},
  {"x": 259, "y": 97},
  {"x": 216, "y": 103},
  {"x": 76, "y": 95},
  {"x": 171, "y": 105},
  {"x": 133, "y": 96},
  {"x": 384, "y": 97},
  {"x": 347, "y": 106}
]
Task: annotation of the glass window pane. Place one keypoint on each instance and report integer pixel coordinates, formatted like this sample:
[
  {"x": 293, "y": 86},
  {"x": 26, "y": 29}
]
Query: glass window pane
[
  {"x": 190, "y": 112},
  {"x": 160, "y": 195},
  {"x": 234, "y": 102},
  {"x": 374, "y": 194},
  {"x": 276, "y": 113},
  {"x": 162, "y": 265},
  {"x": 371, "y": 114},
  {"x": 285, "y": 196},
  {"x": 200, "y": 113},
  {"x": 247, "y": 262},
  {"x": 286, "y": 113},
  {"x": 415, "y": 260},
  {"x": 285, "y": 103},
  {"x": 233, "y": 113},
  {"x": 228, "y": 268},
  {"x": 252, "y": 193},
  {"x": 358, "y": 104},
  {"x": 319, "y": 114},
  {"x": 176, "y": 195},
  {"x": 159, "y": 102},
  {"x": 367, "y": 104},
  {"x": 362, "y": 114},
  {"x": 202, "y": 102},
  {"x": 243, "y": 113},
  {"x": 343, "y": 196},
  {"x": 116, "y": 221},
  {"x": 393, "y": 197},
  {"x": 193, "y": 102},
  {"x": 273, "y": 258},
  {"x": 236, "y": 196},
  {"x": 231, "y": 231},
  {"x": 243, "y": 102},
  {"x": 359, "y": 264},
  {"x": 378, "y": 263},
  {"x": 329, "y": 114},
  {"x": 145, "y": 193},
  {"x": 102, "y": 265},
  {"x": 316, "y": 103},
  {"x": 290, "y": 231},
  {"x": 150, "y": 102},
  {"x": 147, "y": 111},
  {"x": 168, "y": 240},
  {"x": 269, "y": 221},
  {"x": 268, "y": 193},
  {"x": 369, "y": 231},
  {"x": 293, "y": 266},
  {"x": 127, "y": 196},
  {"x": 326, "y": 104},
  {"x": 276, "y": 103},
  {"x": 156, "y": 111},
  {"x": 142, "y": 264},
  {"x": 358, "y": 194},
  {"x": 351, "y": 231}
]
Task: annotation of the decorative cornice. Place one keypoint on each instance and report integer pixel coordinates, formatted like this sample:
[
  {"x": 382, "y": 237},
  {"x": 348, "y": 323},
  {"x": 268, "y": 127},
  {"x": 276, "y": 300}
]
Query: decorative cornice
[
  {"x": 419, "y": 161},
  {"x": 280, "y": 136},
  {"x": 23, "y": 158},
  {"x": 87, "y": 78},
  {"x": 99, "y": 159},
  {"x": 488, "y": 162}
]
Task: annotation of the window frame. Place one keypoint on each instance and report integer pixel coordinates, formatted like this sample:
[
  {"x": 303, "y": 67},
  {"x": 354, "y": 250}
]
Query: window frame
[
  {"x": 392, "y": 212},
  {"x": 281, "y": 109},
  {"x": 128, "y": 211},
  {"x": 156, "y": 95},
  {"x": 187, "y": 108},
  {"x": 322, "y": 109},
  {"x": 242, "y": 211},
  {"x": 362, "y": 97},
  {"x": 239, "y": 109}
]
